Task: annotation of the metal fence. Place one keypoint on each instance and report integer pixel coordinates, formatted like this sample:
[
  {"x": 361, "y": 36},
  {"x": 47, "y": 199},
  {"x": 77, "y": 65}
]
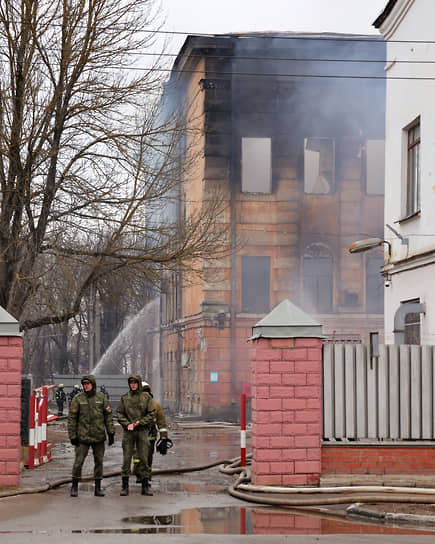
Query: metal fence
[
  {"x": 116, "y": 384},
  {"x": 389, "y": 397}
]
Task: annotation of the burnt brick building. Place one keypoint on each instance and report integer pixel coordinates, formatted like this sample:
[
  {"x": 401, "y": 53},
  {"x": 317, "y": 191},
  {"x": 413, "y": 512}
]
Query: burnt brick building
[{"x": 292, "y": 129}]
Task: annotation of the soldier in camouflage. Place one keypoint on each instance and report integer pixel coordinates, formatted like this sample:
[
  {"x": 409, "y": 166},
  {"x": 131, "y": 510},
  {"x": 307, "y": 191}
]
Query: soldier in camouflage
[
  {"x": 136, "y": 415},
  {"x": 90, "y": 416},
  {"x": 159, "y": 427}
]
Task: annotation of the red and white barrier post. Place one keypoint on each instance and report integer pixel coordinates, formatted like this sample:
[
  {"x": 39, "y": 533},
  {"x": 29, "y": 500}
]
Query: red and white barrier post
[
  {"x": 32, "y": 437},
  {"x": 38, "y": 449},
  {"x": 243, "y": 430},
  {"x": 246, "y": 392}
]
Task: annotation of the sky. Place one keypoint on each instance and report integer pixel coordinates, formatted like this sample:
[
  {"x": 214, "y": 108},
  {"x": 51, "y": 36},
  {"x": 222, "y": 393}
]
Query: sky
[{"x": 222, "y": 16}]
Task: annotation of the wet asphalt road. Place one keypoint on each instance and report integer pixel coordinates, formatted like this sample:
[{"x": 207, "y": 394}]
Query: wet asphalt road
[{"x": 194, "y": 507}]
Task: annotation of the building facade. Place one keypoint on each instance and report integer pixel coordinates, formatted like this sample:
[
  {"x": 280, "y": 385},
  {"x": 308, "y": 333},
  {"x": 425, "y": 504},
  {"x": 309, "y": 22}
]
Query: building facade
[
  {"x": 410, "y": 163},
  {"x": 290, "y": 129}
]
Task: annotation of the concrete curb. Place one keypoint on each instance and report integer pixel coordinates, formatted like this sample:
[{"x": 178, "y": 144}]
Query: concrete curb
[{"x": 358, "y": 510}]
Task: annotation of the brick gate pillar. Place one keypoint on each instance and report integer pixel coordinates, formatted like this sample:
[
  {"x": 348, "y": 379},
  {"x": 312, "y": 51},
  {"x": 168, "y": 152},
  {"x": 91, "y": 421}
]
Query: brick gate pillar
[
  {"x": 286, "y": 371},
  {"x": 11, "y": 354}
]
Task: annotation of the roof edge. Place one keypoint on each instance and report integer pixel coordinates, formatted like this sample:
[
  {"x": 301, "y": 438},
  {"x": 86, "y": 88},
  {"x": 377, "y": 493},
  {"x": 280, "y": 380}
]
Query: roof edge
[{"x": 386, "y": 11}]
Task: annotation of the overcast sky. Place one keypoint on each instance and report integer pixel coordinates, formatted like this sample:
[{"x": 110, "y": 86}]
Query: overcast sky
[{"x": 221, "y": 16}]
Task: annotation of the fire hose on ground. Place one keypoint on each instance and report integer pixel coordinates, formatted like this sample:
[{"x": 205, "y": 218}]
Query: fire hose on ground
[{"x": 275, "y": 495}]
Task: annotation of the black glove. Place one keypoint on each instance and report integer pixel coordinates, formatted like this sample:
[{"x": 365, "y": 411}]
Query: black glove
[
  {"x": 75, "y": 441},
  {"x": 111, "y": 439},
  {"x": 163, "y": 445}
]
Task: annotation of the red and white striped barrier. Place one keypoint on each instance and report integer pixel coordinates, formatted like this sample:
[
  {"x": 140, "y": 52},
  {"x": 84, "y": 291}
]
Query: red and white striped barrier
[
  {"x": 38, "y": 449},
  {"x": 246, "y": 393}
]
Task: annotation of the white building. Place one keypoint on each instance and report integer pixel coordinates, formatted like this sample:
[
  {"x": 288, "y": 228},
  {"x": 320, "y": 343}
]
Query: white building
[{"x": 409, "y": 30}]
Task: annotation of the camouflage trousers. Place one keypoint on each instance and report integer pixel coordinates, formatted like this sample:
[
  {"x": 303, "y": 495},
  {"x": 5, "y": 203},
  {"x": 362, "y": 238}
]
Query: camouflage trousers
[
  {"x": 137, "y": 464},
  {"x": 135, "y": 442},
  {"x": 81, "y": 452}
]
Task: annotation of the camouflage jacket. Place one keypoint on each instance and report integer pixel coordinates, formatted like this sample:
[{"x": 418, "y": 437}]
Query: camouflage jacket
[
  {"x": 136, "y": 406},
  {"x": 160, "y": 422},
  {"x": 90, "y": 416}
]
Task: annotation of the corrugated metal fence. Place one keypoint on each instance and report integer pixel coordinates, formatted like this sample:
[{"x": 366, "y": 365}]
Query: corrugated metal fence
[{"x": 389, "y": 397}]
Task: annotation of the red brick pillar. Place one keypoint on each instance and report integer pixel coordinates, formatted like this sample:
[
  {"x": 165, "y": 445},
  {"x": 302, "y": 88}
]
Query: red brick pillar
[
  {"x": 11, "y": 353},
  {"x": 286, "y": 403}
]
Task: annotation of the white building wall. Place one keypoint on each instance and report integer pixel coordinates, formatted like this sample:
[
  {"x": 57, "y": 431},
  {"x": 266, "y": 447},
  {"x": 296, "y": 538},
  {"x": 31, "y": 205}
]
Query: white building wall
[{"x": 410, "y": 93}]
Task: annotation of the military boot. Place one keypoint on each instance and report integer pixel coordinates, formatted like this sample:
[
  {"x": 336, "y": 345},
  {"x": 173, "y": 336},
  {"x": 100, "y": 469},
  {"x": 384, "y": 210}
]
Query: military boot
[
  {"x": 74, "y": 487},
  {"x": 124, "y": 490},
  {"x": 98, "y": 492},
  {"x": 146, "y": 488}
]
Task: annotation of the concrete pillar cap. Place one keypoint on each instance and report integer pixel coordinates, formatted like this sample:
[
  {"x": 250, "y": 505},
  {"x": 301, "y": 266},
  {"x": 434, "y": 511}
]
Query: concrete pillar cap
[
  {"x": 287, "y": 320},
  {"x": 9, "y": 326}
]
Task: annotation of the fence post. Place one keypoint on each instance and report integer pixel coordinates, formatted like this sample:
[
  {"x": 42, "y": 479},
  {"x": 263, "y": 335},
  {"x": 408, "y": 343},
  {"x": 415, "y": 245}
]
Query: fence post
[
  {"x": 11, "y": 355},
  {"x": 286, "y": 406}
]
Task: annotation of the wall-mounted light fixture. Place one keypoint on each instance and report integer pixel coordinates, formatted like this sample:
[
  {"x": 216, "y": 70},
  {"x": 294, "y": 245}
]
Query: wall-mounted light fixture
[
  {"x": 220, "y": 318},
  {"x": 367, "y": 244}
]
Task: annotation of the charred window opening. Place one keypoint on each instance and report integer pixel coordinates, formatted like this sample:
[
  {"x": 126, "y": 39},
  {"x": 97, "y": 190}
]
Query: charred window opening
[
  {"x": 375, "y": 167},
  {"x": 171, "y": 291},
  {"x": 256, "y": 165},
  {"x": 374, "y": 285},
  {"x": 319, "y": 165},
  {"x": 255, "y": 284},
  {"x": 351, "y": 298},
  {"x": 318, "y": 279}
]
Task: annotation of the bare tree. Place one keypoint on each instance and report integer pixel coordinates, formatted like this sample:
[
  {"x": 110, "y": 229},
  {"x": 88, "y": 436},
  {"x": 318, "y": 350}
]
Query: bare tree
[{"x": 88, "y": 164}]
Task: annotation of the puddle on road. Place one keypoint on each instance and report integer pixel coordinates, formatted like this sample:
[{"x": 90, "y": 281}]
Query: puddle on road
[
  {"x": 250, "y": 521},
  {"x": 163, "y": 486}
]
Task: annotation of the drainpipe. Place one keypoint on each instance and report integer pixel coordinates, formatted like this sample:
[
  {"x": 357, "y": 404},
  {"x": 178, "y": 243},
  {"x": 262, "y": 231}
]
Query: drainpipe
[
  {"x": 162, "y": 305},
  {"x": 178, "y": 367},
  {"x": 233, "y": 312},
  {"x": 233, "y": 309}
]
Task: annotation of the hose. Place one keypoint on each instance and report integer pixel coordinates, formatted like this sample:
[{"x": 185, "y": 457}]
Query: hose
[
  {"x": 243, "y": 490},
  {"x": 63, "y": 481}
]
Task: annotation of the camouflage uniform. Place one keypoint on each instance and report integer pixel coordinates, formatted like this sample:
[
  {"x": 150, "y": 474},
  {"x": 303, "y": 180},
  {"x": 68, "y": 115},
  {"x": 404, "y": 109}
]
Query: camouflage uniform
[
  {"x": 135, "y": 406},
  {"x": 158, "y": 427},
  {"x": 89, "y": 417}
]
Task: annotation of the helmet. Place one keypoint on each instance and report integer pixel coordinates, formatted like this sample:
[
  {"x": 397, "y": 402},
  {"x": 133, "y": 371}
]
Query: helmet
[
  {"x": 61, "y": 385},
  {"x": 77, "y": 386},
  {"x": 146, "y": 387}
]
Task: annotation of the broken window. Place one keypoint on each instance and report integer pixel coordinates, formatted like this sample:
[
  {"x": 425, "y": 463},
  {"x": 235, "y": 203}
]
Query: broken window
[
  {"x": 318, "y": 279},
  {"x": 375, "y": 167},
  {"x": 319, "y": 165},
  {"x": 412, "y": 204},
  {"x": 256, "y": 165},
  {"x": 374, "y": 285},
  {"x": 255, "y": 284}
]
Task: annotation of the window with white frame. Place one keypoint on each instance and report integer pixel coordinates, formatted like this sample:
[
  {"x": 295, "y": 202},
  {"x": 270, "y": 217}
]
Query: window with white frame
[
  {"x": 319, "y": 165},
  {"x": 412, "y": 324},
  {"x": 412, "y": 199},
  {"x": 256, "y": 165}
]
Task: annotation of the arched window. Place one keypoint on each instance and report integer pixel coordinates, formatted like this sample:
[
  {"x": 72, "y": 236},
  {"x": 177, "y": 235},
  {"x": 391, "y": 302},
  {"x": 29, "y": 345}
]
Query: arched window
[{"x": 318, "y": 279}]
